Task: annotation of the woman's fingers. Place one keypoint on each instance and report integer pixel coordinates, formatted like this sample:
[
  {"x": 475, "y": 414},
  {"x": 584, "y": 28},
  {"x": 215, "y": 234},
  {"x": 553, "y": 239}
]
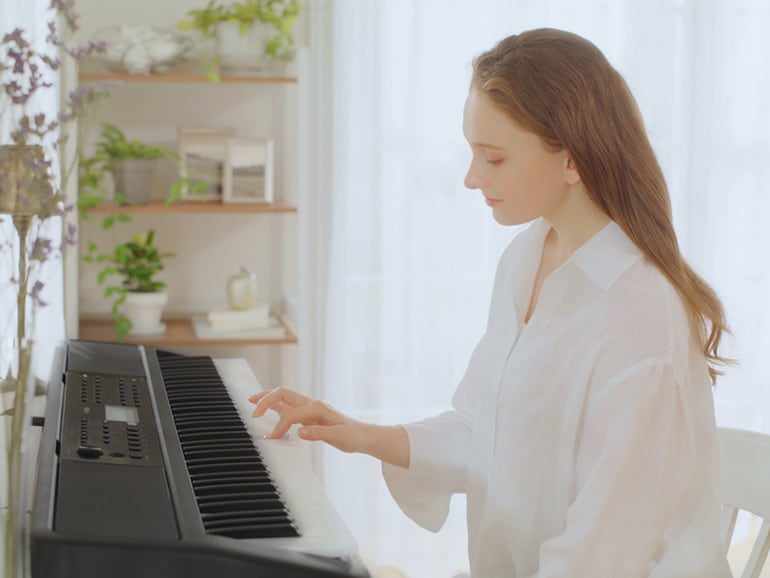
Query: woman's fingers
[
  {"x": 257, "y": 396},
  {"x": 277, "y": 399},
  {"x": 280, "y": 392},
  {"x": 314, "y": 412},
  {"x": 320, "y": 421}
]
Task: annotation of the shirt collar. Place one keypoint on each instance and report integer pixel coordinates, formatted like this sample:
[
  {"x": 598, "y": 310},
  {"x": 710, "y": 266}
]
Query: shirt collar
[{"x": 605, "y": 256}]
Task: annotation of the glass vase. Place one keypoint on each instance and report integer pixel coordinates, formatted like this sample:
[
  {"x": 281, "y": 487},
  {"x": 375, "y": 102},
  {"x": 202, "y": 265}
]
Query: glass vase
[{"x": 17, "y": 386}]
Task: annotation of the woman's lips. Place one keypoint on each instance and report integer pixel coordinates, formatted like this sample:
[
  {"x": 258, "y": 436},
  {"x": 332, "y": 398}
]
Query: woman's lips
[{"x": 493, "y": 202}]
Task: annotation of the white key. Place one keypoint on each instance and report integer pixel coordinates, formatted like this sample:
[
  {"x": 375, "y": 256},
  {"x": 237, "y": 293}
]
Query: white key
[{"x": 321, "y": 529}]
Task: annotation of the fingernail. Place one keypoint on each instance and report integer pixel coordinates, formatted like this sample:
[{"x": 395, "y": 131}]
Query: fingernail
[{"x": 304, "y": 432}]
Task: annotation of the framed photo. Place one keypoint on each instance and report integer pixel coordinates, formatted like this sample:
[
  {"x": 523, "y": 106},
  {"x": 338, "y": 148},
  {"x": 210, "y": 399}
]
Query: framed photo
[
  {"x": 202, "y": 153},
  {"x": 248, "y": 171}
]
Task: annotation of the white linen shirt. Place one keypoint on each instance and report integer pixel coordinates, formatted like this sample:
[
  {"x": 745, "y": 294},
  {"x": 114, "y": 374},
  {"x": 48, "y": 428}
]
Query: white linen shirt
[{"x": 585, "y": 439}]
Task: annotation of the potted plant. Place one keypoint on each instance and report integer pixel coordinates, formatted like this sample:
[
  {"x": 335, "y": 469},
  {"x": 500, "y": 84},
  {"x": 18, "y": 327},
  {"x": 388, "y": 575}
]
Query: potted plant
[
  {"x": 247, "y": 32},
  {"x": 139, "y": 297},
  {"x": 131, "y": 162}
]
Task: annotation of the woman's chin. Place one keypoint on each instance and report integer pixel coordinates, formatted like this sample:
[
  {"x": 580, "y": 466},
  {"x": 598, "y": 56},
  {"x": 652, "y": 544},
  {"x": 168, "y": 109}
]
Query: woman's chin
[{"x": 508, "y": 220}]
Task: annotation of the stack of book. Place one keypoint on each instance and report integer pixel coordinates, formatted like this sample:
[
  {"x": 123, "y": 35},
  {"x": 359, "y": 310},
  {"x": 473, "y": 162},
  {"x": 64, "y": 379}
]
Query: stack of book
[
  {"x": 235, "y": 319},
  {"x": 255, "y": 323}
]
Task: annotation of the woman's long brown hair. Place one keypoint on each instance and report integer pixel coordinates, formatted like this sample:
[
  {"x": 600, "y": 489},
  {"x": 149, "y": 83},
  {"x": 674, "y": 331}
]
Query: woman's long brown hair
[{"x": 562, "y": 88}]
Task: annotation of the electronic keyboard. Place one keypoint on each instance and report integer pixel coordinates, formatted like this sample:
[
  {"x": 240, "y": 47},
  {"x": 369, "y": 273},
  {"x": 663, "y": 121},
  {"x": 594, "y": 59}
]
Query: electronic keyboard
[{"x": 150, "y": 465}]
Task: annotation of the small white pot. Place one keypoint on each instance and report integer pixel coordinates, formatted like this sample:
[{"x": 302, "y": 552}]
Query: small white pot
[
  {"x": 144, "y": 310},
  {"x": 133, "y": 179},
  {"x": 242, "y": 52}
]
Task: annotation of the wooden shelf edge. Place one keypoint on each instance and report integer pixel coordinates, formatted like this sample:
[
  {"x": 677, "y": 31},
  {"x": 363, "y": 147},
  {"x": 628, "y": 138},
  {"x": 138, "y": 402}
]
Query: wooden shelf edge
[
  {"x": 179, "y": 332},
  {"x": 195, "y": 207},
  {"x": 185, "y": 71}
]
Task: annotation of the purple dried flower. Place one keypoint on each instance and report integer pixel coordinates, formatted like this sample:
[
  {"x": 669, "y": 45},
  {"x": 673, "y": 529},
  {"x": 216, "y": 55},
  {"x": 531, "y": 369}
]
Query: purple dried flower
[
  {"x": 70, "y": 237},
  {"x": 53, "y": 36},
  {"x": 83, "y": 97},
  {"x": 34, "y": 294},
  {"x": 66, "y": 9},
  {"x": 16, "y": 37},
  {"x": 25, "y": 72},
  {"x": 41, "y": 249},
  {"x": 53, "y": 63},
  {"x": 80, "y": 52}
]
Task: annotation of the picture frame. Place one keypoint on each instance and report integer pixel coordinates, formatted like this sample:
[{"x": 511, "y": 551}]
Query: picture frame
[
  {"x": 248, "y": 171},
  {"x": 202, "y": 152}
]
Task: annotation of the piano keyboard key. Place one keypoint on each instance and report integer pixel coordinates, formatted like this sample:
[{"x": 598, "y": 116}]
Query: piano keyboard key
[
  {"x": 198, "y": 385},
  {"x": 296, "y": 493},
  {"x": 321, "y": 529}
]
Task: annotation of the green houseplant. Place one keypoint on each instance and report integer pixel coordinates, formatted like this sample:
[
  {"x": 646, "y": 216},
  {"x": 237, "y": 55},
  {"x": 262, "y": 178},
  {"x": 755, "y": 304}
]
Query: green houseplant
[
  {"x": 247, "y": 32},
  {"x": 138, "y": 296},
  {"x": 131, "y": 163}
]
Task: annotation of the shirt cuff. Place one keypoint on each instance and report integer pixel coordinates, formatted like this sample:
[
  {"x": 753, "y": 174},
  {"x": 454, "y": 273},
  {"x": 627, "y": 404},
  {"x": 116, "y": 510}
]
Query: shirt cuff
[{"x": 421, "y": 491}]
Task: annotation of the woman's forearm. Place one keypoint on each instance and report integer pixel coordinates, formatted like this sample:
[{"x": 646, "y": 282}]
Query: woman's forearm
[{"x": 388, "y": 443}]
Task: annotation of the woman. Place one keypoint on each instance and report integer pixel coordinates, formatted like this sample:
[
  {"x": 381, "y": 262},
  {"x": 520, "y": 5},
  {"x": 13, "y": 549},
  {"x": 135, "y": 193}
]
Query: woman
[{"x": 583, "y": 430}]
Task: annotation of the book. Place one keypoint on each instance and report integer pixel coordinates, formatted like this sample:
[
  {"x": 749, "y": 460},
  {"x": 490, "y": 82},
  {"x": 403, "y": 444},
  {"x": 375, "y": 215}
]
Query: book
[
  {"x": 204, "y": 330},
  {"x": 227, "y": 319}
]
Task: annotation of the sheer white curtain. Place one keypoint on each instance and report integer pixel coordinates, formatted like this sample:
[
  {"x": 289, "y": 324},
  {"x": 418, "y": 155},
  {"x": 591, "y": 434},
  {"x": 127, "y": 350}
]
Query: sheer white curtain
[
  {"x": 412, "y": 253},
  {"x": 31, "y": 16}
]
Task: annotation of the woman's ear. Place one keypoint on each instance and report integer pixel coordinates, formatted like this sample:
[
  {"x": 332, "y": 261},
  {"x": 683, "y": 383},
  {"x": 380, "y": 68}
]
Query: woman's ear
[{"x": 571, "y": 175}]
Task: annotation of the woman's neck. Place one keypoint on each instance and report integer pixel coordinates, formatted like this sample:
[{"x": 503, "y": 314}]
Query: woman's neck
[{"x": 575, "y": 221}]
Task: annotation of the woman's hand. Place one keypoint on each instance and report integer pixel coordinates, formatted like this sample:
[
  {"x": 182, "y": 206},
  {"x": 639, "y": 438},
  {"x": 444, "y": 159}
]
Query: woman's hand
[{"x": 321, "y": 422}]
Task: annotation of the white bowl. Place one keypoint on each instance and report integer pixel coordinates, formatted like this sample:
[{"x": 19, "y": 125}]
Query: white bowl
[{"x": 141, "y": 50}]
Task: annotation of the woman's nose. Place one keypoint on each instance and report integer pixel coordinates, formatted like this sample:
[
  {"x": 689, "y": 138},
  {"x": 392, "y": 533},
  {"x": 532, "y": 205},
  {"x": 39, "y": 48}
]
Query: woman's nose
[{"x": 472, "y": 180}]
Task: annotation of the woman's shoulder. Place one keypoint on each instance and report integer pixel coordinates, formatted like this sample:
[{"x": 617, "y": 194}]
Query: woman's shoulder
[
  {"x": 643, "y": 317},
  {"x": 645, "y": 292}
]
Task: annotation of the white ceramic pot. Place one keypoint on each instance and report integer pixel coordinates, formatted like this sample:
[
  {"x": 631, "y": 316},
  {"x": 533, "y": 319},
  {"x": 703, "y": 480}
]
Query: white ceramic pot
[
  {"x": 144, "y": 310},
  {"x": 242, "y": 52}
]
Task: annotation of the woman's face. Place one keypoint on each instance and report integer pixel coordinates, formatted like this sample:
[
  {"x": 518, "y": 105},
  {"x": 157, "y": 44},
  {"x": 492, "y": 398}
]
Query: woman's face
[{"x": 518, "y": 177}]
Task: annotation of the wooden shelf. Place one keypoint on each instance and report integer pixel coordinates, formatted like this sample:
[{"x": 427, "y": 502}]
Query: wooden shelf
[
  {"x": 179, "y": 331},
  {"x": 195, "y": 207},
  {"x": 183, "y": 71}
]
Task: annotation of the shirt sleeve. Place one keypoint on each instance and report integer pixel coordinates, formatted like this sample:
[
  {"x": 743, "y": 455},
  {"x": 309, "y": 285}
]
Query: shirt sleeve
[
  {"x": 439, "y": 446},
  {"x": 633, "y": 461},
  {"x": 438, "y": 456}
]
